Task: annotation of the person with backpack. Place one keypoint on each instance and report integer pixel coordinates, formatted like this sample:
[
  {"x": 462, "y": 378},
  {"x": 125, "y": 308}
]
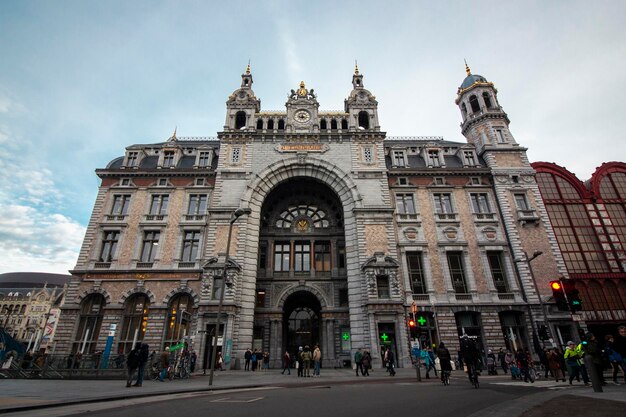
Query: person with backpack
[
  {"x": 306, "y": 358},
  {"x": 132, "y": 363}
]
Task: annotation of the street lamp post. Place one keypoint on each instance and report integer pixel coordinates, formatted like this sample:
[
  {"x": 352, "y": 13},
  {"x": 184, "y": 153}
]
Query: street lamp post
[
  {"x": 233, "y": 218},
  {"x": 527, "y": 260}
]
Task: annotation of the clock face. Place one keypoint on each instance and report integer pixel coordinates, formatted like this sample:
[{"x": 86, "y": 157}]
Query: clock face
[{"x": 302, "y": 116}]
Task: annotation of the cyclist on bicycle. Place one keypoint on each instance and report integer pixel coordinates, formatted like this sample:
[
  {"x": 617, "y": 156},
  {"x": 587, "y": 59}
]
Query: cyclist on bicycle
[
  {"x": 444, "y": 361},
  {"x": 470, "y": 355}
]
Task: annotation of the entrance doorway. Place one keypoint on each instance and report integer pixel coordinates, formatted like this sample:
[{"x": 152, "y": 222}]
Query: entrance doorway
[{"x": 301, "y": 321}]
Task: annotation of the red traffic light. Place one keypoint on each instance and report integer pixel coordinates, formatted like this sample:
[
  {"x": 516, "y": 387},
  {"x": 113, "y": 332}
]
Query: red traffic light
[
  {"x": 411, "y": 323},
  {"x": 555, "y": 285}
]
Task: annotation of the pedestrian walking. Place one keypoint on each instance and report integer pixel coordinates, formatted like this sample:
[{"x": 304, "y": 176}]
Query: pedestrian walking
[
  {"x": 164, "y": 361},
  {"x": 300, "y": 361},
  {"x": 286, "y": 363},
  {"x": 248, "y": 357},
  {"x": 554, "y": 363},
  {"x": 306, "y": 358},
  {"x": 594, "y": 350},
  {"x": 193, "y": 358},
  {"x": 132, "y": 363},
  {"x": 615, "y": 359},
  {"x": 366, "y": 362},
  {"x": 502, "y": 361},
  {"x": 390, "y": 360},
  {"x": 253, "y": 359},
  {"x": 317, "y": 361},
  {"x": 573, "y": 357},
  {"x": 358, "y": 360},
  {"x": 144, "y": 353},
  {"x": 266, "y": 361}
]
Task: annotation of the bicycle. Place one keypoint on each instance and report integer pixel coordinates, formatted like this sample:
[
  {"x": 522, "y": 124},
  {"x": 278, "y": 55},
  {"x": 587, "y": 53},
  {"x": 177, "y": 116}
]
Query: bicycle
[
  {"x": 472, "y": 373},
  {"x": 445, "y": 377}
]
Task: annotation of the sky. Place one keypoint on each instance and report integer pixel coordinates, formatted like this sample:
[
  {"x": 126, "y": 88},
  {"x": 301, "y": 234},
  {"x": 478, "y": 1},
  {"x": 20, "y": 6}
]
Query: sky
[{"x": 81, "y": 80}]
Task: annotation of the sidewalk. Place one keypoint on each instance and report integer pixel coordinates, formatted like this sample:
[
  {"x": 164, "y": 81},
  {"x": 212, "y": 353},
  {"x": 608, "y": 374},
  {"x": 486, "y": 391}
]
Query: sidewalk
[{"x": 25, "y": 394}]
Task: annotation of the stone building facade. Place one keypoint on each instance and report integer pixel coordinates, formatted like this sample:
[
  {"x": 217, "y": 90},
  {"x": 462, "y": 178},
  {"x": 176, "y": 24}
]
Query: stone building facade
[{"x": 349, "y": 231}]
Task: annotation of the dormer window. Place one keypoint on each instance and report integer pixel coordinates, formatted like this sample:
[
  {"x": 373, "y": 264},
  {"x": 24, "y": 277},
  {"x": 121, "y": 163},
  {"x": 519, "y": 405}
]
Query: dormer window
[
  {"x": 204, "y": 159},
  {"x": 433, "y": 158},
  {"x": 168, "y": 159},
  {"x": 470, "y": 158},
  {"x": 132, "y": 160},
  {"x": 399, "y": 158}
]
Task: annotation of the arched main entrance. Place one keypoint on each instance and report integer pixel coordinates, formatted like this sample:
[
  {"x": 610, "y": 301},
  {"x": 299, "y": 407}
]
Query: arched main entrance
[{"x": 301, "y": 321}]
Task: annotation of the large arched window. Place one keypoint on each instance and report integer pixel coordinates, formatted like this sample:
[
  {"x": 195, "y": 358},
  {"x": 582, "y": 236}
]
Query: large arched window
[
  {"x": 240, "y": 120},
  {"x": 259, "y": 124},
  {"x": 487, "y": 100},
  {"x": 134, "y": 321},
  {"x": 364, "y": 120},
  {"x": 270, "y": 124},
  {"x": 89, "y": 323},
  {"x": 613, "y": 193},
  {"x": 323, "y": 124},
  {"x": 281, "y": 124},
  {"x": 178, "y": 319},
  {"x": 344, "y": 124},
  {"x": 474, "y": 104}
]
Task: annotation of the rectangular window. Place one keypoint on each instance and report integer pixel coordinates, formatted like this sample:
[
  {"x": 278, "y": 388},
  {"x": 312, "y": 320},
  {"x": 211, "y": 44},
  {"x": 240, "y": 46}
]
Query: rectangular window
[
  {"x": 262, "y": 255},
  {"x": 159, "y": 203},
  {"x": 133, "y": 159},
  {"x": 433, "y": 159},
  {"x": 521, "y": 202},
  {"x": 470, "y": 159},
  {"x": 281, "y": 256},
  {"x": 260, "y": 298},
  {"x": 367, "y": 155},
  {"x": 235, "y": 155},
  {"x": 109, "y": 246},
  {"x": 302, "y": 256},
  {"x": 382, "y": 284},
  {"x": 341, "y": 254},
  {"x": 322, "y": 256},
  {"x": 343, "y": 297},
  {"x": 443, "y": 203},
  {"x": 405, "y": 204},
  {"x": 149, "y": 246},
  {"x": 197, "y": 204},
  {"x": 120, "y": 204},
  {"x": 497, "y": 271},
  {"x": 191, "y": 243},
  {"x": 500, "y": 136},
  {"x": 480, "y": 203},
  {"x": 416, "y": 272},
  {"x": 218, "y": 283},
  {"x": 204, "y": 159},
  {"x": 168, "y": 159},
  {"x": 457, "y": 272},
  {"x": 399, "y": 158}
]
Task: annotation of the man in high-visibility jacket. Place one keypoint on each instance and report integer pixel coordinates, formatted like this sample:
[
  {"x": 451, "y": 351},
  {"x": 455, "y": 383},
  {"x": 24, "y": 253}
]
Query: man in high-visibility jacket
[{"x": 573, "y": 359}]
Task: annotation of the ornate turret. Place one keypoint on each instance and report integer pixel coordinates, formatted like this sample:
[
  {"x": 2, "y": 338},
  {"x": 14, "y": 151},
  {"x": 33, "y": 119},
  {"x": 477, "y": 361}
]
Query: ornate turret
[
  {"x": 361, "y": 104},
  {"x": 242, "y": 104},
  {"x": 302, "y": 109},
  {"x": 485, "y": 124}
]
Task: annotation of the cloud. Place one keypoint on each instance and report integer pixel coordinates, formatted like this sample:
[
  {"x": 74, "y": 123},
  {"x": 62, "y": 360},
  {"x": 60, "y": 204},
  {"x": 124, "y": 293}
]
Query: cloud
[
  {"x": 31, "y": 240},
  {"x": 5, "y": 104}
]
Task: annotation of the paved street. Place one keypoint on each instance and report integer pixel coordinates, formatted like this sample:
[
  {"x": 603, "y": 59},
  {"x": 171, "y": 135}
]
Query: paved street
[{"x": 337, "y": 392}]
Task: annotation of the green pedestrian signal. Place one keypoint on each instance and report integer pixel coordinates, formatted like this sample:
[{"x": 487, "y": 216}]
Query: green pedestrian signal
[
  {"x": 421, "y": 320},
  {"x": 345, "y": 336},
  {"x": 384, "y": 337}
]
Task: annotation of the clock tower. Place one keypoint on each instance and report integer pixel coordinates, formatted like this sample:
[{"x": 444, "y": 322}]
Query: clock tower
[{"x": 302, "y": 108}]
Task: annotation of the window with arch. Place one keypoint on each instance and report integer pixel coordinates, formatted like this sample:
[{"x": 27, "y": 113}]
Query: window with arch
[
  {"x": 318, "y": 217},
  {"x": 270, "y": 124},
  {"x": 134, "y": 321},
  {"x": 178, "y": 318},
  {"x": 281, "y": 124},
  {"x": 344, "y": 124},
  {"x": 89, "y": 324},
  {"x": 487, "y": 100},
  {"x": 259, "y": 124},
  {"x": 613, "y": 191},
  {"x": 333, "y": 124},
  {"x": 240, "y": 120},
  {"x": 364, "y": 120},
  {"x": 474, "y": 104},
  {"x": 323, "y": 124}
]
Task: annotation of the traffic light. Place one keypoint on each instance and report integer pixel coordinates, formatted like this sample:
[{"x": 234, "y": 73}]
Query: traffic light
[
  {"x": 543, "y": 333},
  {"x": 412, "y": 327},
  {"x": 559, "y": 295},
  {"x": 573, "y": 297}
]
